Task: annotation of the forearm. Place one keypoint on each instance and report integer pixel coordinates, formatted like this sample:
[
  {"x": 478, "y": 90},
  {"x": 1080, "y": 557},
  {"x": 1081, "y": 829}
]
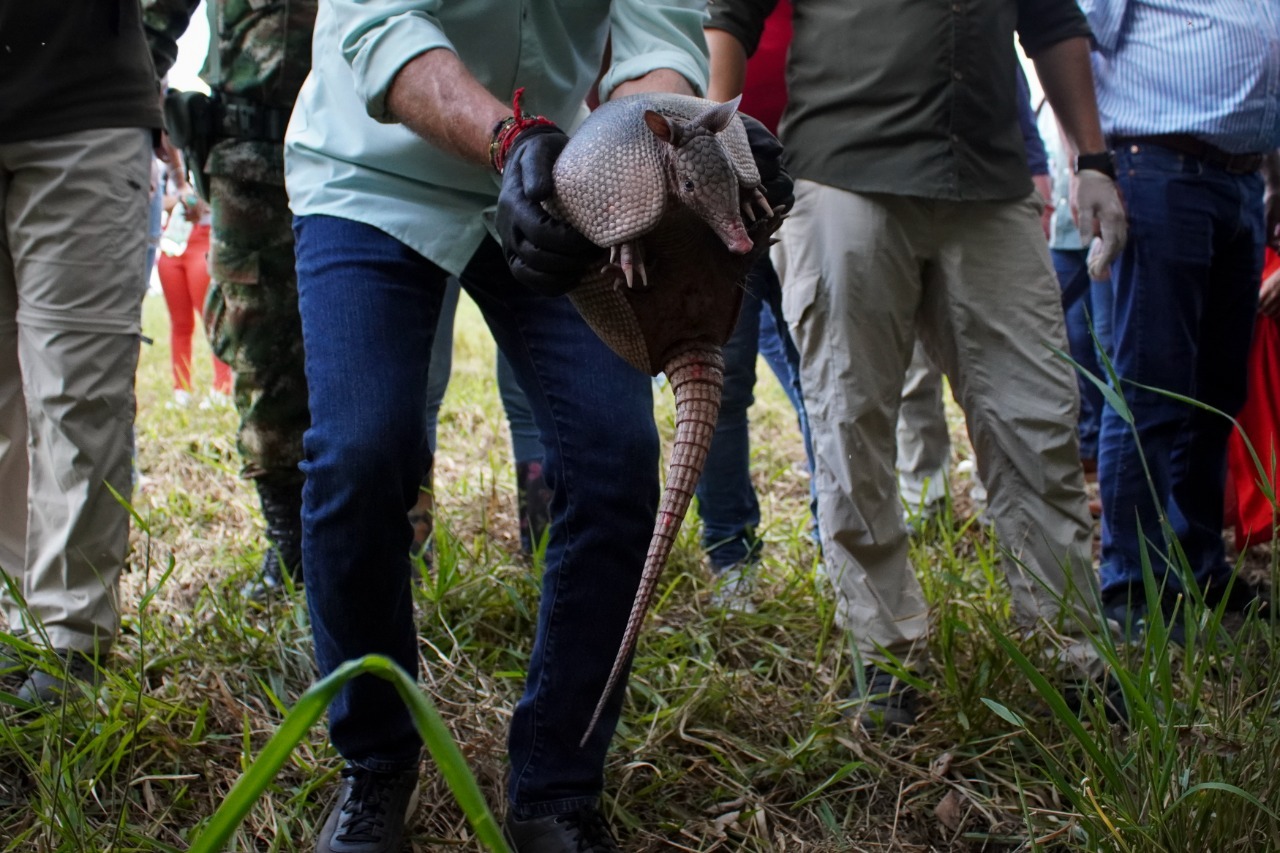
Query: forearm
[
  {"x": 1067, "y": 79},
  {"x": 436, "y": 97},
  {"x": 658, "y": 80},
  {"x": 728, "y": 65}
]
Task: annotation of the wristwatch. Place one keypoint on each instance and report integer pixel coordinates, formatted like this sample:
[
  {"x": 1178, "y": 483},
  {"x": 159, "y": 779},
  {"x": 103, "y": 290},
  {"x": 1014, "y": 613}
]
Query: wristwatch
[{"x": 1102, "y": 161}]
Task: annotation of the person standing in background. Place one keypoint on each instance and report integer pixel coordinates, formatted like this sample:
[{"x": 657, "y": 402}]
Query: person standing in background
[
  {"x": 1086, "y": 301},
  {"x": 924, "y": 438},
  {"x": 79, "y": 119},
  {"x": 1188, "y": 95},
  {"x": 184, "y": 279},
  {"x": 915, "y": 216},
  {"x": 259, "y": 56},
  {"x": 727, "y": 502}
]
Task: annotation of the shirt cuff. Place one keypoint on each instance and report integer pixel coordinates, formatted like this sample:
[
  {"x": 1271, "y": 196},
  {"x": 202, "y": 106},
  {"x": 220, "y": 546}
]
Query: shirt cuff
[
  {"x": 379, "y": 55},
  {"x": 638, "y": 66}
]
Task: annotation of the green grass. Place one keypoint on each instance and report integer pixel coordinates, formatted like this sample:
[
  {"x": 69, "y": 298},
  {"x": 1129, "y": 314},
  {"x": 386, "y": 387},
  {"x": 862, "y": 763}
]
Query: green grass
[{"x": 732, "y": 737}]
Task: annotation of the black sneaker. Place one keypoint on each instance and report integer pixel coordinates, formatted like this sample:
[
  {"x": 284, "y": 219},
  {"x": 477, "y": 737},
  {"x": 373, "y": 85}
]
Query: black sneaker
[
  {"x": 61, "y": 674},
  {"x": 12, "y": 672},
  {"x": 1238, "y": 599},
  {"x": 583, "y": 831},
  {"x": 887, "y": 705},
  {"x": 1081, "y": 694},
  {"x": 370, "y": 813},
  {"x": 1128, "y": 609},
  {"x": 270, "y": 584}
]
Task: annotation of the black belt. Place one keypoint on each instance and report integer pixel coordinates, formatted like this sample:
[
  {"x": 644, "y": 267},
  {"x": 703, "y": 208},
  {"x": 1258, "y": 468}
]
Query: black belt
[
  {"x": 1185, "y": 143},
  {"x": 241, "y": 118}
]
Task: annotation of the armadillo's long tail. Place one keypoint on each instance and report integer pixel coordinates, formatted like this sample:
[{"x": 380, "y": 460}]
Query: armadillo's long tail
[{"x": 697, "y": 380}]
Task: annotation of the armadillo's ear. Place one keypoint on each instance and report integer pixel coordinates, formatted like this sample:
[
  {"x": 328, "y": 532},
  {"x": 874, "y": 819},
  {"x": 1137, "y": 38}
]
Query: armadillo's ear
[
  {"x": 663, "y": 127},
  {"x": 717, "y": 118}
]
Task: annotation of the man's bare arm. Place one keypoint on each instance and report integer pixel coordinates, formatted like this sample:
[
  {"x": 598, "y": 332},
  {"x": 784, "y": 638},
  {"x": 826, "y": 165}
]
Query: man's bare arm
[
  {"x": 728, "y": 65},
  {"x": 658, "y": 80},
  {"x": 436, "y": 97},
  {"x": 1067, "y": 78}
]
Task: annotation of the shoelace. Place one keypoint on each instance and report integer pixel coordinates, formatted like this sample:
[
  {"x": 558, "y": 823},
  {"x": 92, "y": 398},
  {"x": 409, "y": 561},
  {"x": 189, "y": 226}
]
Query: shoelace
[
  {"x": 593, "y": 832},
  {"x": 362, "y": 814}
]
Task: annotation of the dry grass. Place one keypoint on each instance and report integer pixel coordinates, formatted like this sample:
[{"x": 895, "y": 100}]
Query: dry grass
[{"x": 732, "y": 739}]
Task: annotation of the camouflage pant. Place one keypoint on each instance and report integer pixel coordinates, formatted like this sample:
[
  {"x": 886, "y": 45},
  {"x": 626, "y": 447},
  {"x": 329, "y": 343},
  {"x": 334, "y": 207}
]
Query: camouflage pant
[{"x": 251, "y": 316}]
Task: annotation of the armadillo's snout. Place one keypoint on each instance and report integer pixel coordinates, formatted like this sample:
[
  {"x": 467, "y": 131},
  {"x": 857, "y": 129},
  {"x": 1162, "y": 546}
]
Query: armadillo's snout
[{"x": 735, "y": 238}]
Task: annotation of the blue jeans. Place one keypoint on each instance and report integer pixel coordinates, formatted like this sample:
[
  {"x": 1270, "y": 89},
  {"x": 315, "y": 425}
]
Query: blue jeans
[
  {"x": 727, "y": 500},
  {"x": 369, "y": 310},
  {"x": 1081, "y": 300},
  {"x": 780, "y": 353},
  {"x": 1186, "y": 291},
  {"x": 525, "y": 446}
]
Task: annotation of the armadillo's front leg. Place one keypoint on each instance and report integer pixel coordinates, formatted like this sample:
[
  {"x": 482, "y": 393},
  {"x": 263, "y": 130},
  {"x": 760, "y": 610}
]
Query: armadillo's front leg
[{"x": 755, "y": 197}]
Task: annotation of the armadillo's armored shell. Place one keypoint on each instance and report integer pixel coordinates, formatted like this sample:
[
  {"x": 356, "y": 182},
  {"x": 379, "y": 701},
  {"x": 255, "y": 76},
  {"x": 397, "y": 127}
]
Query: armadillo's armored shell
[{"x": 609, "y": 179}]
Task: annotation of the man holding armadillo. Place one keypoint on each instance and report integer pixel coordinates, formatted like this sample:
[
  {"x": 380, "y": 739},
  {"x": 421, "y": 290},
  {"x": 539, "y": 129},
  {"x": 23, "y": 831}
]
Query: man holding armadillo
[
  {"x": 915, "y": 215},
  {"x": 403, "y": 147}
]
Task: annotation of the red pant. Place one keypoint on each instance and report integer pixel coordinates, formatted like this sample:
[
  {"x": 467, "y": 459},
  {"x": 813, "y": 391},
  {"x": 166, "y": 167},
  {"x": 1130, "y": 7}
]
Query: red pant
[{"x": 185, "y": 280}]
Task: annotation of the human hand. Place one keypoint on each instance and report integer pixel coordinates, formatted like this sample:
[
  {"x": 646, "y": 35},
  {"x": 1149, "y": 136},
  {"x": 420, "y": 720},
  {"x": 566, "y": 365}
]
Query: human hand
[
  {"x": 1095, "y": 201},
  {"x": 775, "y": 183},
  {"x": 544, "y": 253},
  {"x": 193, "y": 207},
  {"x": 1044, "y": 188}
]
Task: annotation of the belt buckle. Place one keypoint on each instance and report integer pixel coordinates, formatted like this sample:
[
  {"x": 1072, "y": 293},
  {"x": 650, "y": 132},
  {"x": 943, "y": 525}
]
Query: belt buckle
[{"x": 241, "y": 118}]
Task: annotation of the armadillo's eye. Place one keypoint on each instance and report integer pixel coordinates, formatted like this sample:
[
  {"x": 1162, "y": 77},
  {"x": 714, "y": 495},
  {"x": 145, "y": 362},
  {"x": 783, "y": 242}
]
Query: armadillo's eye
[{"x": 688, "y": 185}]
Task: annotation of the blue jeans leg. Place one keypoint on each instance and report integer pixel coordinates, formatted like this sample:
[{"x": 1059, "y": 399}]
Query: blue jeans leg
[
  {"x": 727, "y": 500},
  {"x": 441, "y": 360},
  {"x": 1073, "y": 278},
  {"x": 525, "y": 445},
  {"x": 1185, "y": 297},
  {"x": 780, "y": 353},
  {"x": 595, "y": 420},
  {"x": 369, "y": 309}
]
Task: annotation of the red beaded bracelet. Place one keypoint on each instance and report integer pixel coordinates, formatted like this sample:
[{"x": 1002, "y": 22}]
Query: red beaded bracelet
[{"x": 506, "y": 131}]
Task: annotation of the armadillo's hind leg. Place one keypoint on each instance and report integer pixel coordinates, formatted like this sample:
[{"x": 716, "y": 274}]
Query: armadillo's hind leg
[{"x": 629, "y": 258}]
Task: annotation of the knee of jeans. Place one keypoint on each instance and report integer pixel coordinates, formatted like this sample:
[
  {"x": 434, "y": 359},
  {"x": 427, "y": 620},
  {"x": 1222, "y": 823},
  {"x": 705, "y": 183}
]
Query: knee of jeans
[
  {"x": 615, "y": 452},
  {"x": 378, "y": 452}
]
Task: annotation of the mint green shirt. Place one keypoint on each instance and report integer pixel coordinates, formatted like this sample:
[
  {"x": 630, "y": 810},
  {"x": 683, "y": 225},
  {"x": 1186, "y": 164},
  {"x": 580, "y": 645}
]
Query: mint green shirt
[{"x": 344, "y": 157}]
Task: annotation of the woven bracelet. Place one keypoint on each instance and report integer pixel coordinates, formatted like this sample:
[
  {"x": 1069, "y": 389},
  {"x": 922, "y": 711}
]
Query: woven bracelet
[{"x": 506, "y": 131}]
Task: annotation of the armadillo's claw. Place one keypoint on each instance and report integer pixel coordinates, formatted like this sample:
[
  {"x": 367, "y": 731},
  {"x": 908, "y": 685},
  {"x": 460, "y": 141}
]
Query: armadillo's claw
[
  {"x": 758, "y": 198},
  {"x": 747, "y": 213},
  {"x": 628, "y": 257}
]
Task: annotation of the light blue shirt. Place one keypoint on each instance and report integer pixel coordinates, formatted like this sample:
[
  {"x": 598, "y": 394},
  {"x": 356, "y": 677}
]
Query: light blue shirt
[
  {"x": 344, "y": 156},
  {"x": 1210, "y": 68}
]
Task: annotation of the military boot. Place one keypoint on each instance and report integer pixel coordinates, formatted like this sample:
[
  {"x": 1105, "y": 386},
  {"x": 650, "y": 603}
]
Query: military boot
[
  {"x": 533, "y": 504},
  {"x": 282, "y": 510}
]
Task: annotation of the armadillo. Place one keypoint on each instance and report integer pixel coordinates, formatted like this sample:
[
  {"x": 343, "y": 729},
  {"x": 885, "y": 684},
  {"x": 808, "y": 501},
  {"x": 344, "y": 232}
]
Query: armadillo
[{"x": 665, "y": 182}]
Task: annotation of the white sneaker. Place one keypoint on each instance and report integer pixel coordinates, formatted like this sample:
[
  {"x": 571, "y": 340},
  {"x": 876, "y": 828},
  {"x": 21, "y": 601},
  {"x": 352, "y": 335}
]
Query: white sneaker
[
  {"x": 733, "y": 588},
  {"x": 181, "y": 399},
  {"x": 215, "y": 400}
]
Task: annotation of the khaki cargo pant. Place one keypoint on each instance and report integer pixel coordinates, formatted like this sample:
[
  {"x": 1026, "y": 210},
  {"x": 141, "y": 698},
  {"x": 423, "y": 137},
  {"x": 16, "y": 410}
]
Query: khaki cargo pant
[
  {"x": 73, "y": 248},
  {"x": 864, "y": 274}
]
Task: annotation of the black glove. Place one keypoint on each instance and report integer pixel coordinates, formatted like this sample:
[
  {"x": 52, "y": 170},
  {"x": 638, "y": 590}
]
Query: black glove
[
  {"x": 775, "y": 183},
  {"x": 544, "y": 253}
]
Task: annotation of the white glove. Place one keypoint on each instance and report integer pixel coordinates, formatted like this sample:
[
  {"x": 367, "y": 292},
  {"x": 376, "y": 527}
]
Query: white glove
[{"x": 1099, "y": 213}]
